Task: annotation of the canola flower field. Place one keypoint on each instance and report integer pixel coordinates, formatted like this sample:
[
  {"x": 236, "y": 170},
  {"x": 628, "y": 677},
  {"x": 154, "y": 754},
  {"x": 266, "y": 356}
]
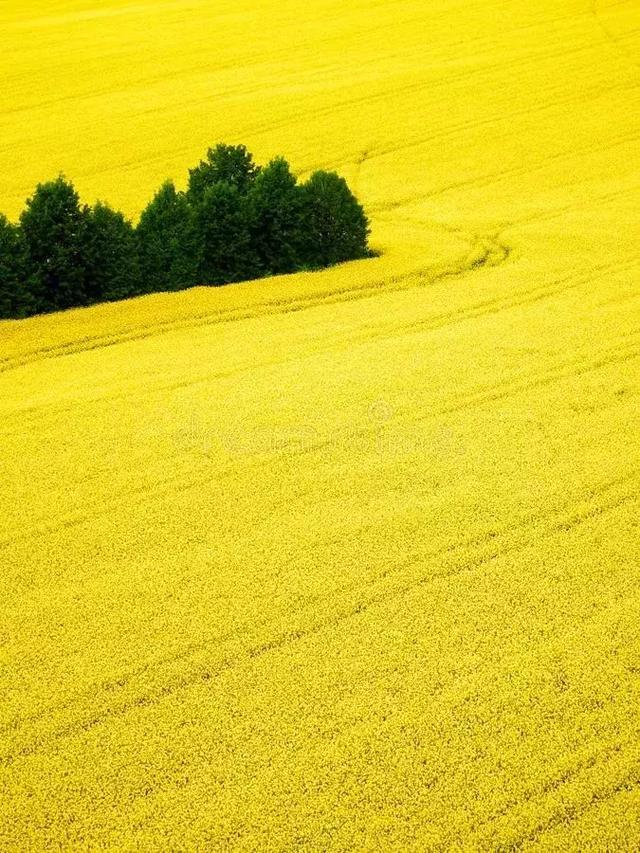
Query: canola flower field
[{"x": 346, "y": 560}]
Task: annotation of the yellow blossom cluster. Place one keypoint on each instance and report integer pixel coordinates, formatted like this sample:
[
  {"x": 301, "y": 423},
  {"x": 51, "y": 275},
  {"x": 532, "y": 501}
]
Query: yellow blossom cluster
[{"x": 346, "y": 560}]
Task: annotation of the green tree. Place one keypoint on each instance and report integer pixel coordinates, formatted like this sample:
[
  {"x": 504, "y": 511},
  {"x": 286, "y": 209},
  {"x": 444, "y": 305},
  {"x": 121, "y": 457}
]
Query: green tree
[
  {"x": 54, "y": 228},
  {"x": 274, "y": 205},
  {"x": 231, "y": 164},
  {"x": 114, "y": 270},
  {"x": 333, "y": 224},
  {"x": 167, "y": 242},
  {"x": 226, "y": 254},
  {"x": 15, "y": 300}
]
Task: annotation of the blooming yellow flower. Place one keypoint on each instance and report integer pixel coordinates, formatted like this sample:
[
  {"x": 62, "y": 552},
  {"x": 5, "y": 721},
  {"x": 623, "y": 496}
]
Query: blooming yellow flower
[{"x": 345, "y": 560}]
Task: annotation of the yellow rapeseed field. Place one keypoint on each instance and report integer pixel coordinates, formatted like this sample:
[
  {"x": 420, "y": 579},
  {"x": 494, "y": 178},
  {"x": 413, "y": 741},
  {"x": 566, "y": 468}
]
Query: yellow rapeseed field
[{"x": 349, "y": 560}]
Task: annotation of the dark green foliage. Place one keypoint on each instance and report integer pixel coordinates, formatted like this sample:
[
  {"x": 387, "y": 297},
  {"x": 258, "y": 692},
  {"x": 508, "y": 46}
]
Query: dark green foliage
[
  {"x": 54, "y": 228},
  {"x": 236, "y": 221},
  {"x": 333, "y": 224},
  {"x": 15, "y": 300},
  {"x": 113, "y": 268},
  {"x": 231, "y": 164},
  {"x": 167, "y": 242},
  {"x": 274, "y": 205},
  {"x": 226, "y": 251}
]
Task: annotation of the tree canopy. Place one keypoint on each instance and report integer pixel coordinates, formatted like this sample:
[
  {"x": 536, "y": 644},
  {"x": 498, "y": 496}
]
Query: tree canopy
[
  {"x": 235, "y": 221},
  {"x": 227, "y": 252},
  {"x": 55, "y": 229},
  {"x": 230, "y": 164},
  {"x": 334, "y": 225},
  {"x": 14, "y": 301},
  {"x": 114, "y": 264},
  {"x": 167, "y": 244},
  {"x": 274, "y": 212}
]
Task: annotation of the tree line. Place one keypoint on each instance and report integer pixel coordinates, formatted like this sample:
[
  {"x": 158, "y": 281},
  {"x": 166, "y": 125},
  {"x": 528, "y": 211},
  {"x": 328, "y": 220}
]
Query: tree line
[{"x": 235, "y": 221}]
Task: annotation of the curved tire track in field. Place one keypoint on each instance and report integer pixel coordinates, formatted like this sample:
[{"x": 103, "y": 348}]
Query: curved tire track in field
[
  {"x": 485, "y": 251},
  {"x": 600, "y": 91}
]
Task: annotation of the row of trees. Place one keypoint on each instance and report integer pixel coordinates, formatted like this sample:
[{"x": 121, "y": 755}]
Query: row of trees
[{"x": 235, "y": 221}]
